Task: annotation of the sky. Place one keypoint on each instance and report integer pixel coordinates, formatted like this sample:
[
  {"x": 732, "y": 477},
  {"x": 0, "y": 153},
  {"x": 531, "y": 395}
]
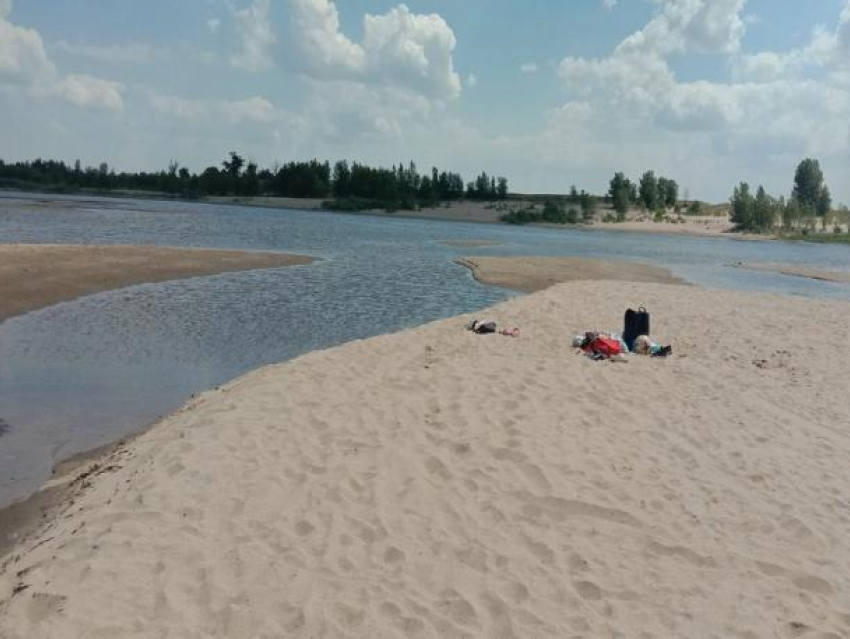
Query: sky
[{"x": 550, "y": 93}]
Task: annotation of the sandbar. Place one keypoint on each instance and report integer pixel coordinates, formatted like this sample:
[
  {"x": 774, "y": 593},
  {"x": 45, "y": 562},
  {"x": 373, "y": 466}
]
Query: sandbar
[
  {"x": 531, "y": 274},
  {"x": 33, "y": 276},
  {"x": 438, "y": 483},
  {"x": 796, "y": 270}
]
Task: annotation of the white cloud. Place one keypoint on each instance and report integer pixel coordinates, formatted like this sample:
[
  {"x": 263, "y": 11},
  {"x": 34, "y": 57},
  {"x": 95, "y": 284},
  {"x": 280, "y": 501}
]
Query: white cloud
[
  {"x": 128, "y": 53},
  {"x": 609, "y": 4},
  {"x": 24, "y": 62},
  {"x": 86, "y": 91},
  {"x": 257, "y": 110},
  {"x": 22, "y": 55},
  {"x": 471, "y": 80},
  {"x": 324, "y": 49},
  {"x": 705, "y": 26},
  {"x": 414, "y": 50},
  {"x": 257, "y": 37},
  {"x": 772, "y": 109},
  {"x": 213, "y": 25},
  {"x": 399, "y": 49},
  {"x": 528, "y": 67}
]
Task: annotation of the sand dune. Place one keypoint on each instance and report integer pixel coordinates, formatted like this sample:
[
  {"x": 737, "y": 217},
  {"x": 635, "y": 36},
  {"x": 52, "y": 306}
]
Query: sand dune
[
  {"x": 437, "y": 483},
  {"x": 33, "y": 276}
]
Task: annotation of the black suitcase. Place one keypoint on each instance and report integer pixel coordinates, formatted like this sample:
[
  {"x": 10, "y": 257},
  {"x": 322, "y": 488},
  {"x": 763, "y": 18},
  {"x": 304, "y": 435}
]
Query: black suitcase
[{"x": 636, "y": 323}]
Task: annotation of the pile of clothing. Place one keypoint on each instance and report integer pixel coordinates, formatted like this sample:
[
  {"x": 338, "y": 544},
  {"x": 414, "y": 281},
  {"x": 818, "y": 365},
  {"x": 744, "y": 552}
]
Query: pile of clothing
[{"x": 614, "y": 346}]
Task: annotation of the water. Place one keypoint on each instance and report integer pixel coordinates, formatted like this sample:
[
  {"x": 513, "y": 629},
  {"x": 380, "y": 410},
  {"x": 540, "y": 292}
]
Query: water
[{"x": 82, "y": 373}]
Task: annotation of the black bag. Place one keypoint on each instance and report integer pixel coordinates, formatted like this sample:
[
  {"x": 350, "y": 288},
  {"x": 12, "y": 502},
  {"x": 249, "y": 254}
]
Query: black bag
[
  {"x": 637, "y": 323},
  {"x": 486, "y": 327},
  {"x": 480, "y": 327}
]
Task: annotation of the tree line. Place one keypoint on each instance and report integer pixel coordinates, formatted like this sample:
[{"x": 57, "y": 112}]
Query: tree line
[
  {"x": 652, "y": 193},
  {"x": 810, "y": 201},
  {"x": 356, "y": 184}
]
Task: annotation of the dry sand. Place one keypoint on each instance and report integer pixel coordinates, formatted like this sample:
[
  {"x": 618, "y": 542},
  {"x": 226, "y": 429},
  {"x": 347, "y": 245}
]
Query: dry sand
[
  {"x": 437, "y": 483},
  {"x": 33, "y": 276},
  {"x": 537, "y": 273},
  {"x": 701, "y": 226},
  {"x": 798, "y": 271}
]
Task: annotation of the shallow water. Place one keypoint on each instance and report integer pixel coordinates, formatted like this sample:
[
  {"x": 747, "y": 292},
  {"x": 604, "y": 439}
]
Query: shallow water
[{"x": 83, "y": 373}]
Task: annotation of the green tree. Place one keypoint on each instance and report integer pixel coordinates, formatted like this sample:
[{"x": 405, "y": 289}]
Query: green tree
[
  {"x": 553, "y": 212},
  {"x": 342, "y": 179},
  {"x": 234, "y": 165},
  {"x": 588, "y": 206},
  {"x": 648, "y": 190},
  {"x": 668, "y": 192},
  {"x": 763, "y": 211},
  {"x": 619, "y": 191},
  {"x": 824, "y": 201},
  {"x": 809, "y": 188},
  {"x": 742, "y": 208},
  {"x": 250, "y": 181}
]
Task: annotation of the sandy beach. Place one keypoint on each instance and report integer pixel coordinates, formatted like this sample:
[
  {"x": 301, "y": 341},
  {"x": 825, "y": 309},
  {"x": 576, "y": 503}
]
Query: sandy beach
[
  {"x": 33, "y": 276},
  {"x": 437, "y": 483}
]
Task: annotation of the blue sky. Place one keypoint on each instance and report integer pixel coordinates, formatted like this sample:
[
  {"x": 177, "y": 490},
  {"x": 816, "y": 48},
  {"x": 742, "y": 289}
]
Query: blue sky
[{"x": 549, "y": 93}]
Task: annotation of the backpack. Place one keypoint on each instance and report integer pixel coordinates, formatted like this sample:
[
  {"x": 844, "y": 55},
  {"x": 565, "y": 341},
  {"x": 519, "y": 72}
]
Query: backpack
[{"x": 636, "y": 323}]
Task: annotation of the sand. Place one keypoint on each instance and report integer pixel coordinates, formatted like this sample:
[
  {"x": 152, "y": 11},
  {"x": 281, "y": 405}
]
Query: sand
[
  {"x": 437, "y": 483},
  {"x": 700, "y": 226},
  {"x": 33, "y": 276},
  {"x": 797, "y": 270},
  {"x": 537, "y": 273},
  {"x": 487, "y": 212}
]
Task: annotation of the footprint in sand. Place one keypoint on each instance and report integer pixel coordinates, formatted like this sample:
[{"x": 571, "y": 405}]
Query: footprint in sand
[
  {"x": 393, "y": 555},
  {"x": 458, "y": 609},
  {"x": 44, "y": 605},
  {"x": 588, "y": 590}
]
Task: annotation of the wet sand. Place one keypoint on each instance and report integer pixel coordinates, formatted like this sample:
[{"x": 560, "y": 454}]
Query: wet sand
[
  {"x": 531, "y": 274},
  {"x": 798, "y": 271},
  {"x": 33, "y": 276}
]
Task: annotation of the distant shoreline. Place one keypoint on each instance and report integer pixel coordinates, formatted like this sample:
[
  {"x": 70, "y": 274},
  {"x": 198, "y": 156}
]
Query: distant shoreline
[{"x": 468, "y": 211}]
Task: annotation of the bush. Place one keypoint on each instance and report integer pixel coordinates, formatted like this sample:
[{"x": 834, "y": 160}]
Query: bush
[
  {"x": 553, "y": 213},
  {"x": 521, "y": 216}
]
